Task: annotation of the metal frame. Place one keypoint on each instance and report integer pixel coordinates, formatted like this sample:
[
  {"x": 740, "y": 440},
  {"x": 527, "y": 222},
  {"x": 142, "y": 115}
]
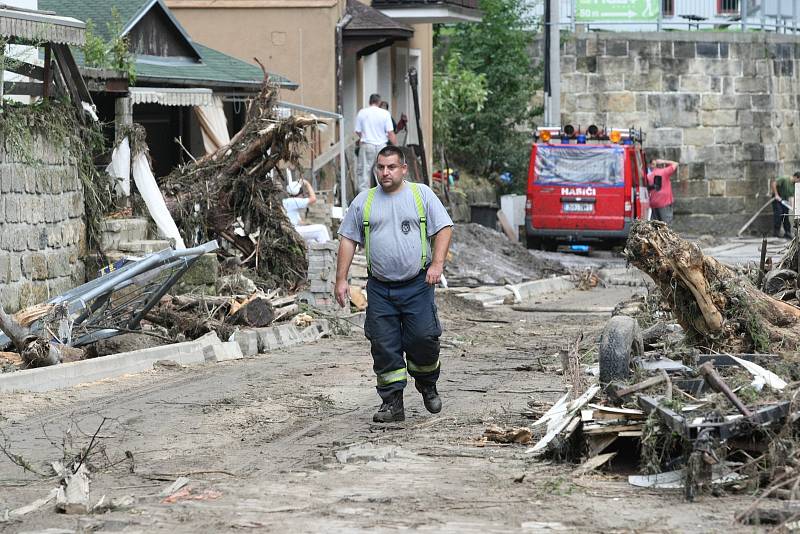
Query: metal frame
[{"x": 92, "y": 305}]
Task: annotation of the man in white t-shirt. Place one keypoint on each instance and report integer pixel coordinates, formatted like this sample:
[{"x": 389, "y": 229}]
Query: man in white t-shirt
[
  {"x": 295, "y": 203},
  {"x": 374, "y": 129}
]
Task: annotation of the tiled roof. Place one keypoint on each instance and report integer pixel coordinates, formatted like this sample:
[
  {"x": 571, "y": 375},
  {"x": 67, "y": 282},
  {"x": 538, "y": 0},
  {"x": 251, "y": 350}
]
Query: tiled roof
[
  {"x": 214, "y": 66},
  {"x": 366, "y": 18}
]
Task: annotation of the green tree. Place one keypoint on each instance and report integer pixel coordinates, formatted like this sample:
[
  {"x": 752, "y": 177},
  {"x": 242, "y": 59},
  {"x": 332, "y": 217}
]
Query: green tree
[
  {"x": 456, "y": 91},
  {"x": 114, "y": 54},
  {"x": 494, "y": 136}
]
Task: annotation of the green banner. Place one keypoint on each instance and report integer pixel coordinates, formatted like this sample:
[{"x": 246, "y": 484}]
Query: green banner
[{"x": 616, "y": 10}]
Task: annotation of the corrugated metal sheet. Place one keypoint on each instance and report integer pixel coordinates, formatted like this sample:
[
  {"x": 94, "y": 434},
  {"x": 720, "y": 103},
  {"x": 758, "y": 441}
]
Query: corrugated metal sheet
[
  {"x": 170, "y": 96},
  {"x": 41, "y": 27}
]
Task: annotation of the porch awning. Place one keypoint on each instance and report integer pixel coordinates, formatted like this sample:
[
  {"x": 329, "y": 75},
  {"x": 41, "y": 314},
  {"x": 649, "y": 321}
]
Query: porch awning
[
  {"x": 172, "y": 96},
  {"x": 40, "y": 26}
]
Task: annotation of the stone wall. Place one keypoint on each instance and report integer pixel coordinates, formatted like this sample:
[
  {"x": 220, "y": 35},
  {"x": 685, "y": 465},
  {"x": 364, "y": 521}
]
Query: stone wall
[
  {"x": 723, "y": 105},
  {"x": 42, "y": 229}
]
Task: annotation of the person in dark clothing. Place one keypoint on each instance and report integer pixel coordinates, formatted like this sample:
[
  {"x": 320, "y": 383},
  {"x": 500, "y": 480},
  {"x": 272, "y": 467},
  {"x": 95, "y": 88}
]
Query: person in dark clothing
[
  {"x": 395, "y": 222},
  {"x": 782, "y": 194}
]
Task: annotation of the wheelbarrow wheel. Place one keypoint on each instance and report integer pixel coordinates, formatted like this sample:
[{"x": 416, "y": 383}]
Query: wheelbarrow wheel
[{"x": 620, "y": 342}]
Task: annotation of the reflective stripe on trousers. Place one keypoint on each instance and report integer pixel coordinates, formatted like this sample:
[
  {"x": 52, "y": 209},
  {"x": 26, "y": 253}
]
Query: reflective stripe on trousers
[{"x": 403, "y": 328}]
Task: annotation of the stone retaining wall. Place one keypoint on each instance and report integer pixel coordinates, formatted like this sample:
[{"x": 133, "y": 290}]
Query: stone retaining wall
[
  {"x": 723, "y": 105},
  {"x": 42, "y": 229}
]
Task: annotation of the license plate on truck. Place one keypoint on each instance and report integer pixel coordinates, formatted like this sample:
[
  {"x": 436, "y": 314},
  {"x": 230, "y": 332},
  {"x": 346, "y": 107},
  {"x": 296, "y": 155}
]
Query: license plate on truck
[{"x": 578, "y": 207}]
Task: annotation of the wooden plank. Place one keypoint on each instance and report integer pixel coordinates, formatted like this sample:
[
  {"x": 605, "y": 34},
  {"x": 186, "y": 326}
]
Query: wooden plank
[
  {"x": 506, "y": 226},
  {"x": 587, "y": 415},
  {"x": 599, "y": 443},
  {"x": 66, "y": 77},
  {"x": 593, "y": 463},
  {"x": 609, "y": 429},
  {"x": 26, "y": 69},
  {"x": 47, "y": 71},
  {"x": 23, "y": 88},
  {"x": 612, "y": 409},
  {"x": 332, "y": 152},
  {"x": 630, "y": 434}
]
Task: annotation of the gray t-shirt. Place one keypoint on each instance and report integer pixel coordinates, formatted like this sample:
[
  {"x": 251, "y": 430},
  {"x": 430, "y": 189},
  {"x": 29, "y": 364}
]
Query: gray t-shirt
[{"x": 394, "y": 242}]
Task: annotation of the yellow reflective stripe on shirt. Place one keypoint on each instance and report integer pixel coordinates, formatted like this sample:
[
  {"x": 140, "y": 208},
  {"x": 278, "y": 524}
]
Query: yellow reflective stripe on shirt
[
  {"x": 367, "y": 211},
  {"x": 384, "y": 379},
  {"x": 423, "y": 368},
  {"x": 423, "y": 222}
]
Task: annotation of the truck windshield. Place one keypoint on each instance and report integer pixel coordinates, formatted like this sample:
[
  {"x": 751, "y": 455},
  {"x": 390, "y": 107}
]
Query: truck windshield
[{"x": 579, "y": 165}]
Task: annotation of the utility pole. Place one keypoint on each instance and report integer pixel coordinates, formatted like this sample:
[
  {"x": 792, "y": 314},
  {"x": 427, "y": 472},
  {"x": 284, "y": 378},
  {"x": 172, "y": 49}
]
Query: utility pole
[{"x": 552, "y": 86}]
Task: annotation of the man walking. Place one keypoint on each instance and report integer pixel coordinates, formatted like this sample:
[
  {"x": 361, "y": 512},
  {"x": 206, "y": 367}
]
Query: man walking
[
  {"x": 394, "y": 223},
  {"x": 659, "y": 185},
  {"x": 782, "y": 193},
  {"x": 374, "y": 129}
]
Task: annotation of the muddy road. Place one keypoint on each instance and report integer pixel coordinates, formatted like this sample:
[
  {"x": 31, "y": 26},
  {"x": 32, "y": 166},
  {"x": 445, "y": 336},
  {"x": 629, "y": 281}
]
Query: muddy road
[{"x": 284, "y": 442}]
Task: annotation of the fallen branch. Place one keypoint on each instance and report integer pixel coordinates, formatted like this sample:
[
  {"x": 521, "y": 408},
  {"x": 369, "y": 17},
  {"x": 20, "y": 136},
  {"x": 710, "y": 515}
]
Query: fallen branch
[{"x": 716, "y": 307}]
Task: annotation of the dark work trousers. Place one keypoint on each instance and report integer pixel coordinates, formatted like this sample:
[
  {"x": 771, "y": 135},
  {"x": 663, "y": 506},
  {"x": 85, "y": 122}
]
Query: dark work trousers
[
  {"x": 780, "y": 215},
  {"x": 401, "y": 319}
]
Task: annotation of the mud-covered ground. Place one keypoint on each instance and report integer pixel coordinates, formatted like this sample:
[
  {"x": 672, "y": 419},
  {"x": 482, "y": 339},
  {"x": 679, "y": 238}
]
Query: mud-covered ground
[{"x": 284, "y": 442}]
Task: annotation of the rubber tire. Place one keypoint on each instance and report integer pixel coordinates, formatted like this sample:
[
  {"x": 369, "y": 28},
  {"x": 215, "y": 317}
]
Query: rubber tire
[{"x": 621, "y": 340}]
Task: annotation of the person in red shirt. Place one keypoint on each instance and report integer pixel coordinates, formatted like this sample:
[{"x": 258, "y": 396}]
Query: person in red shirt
[{"x": 659, "y": 186}]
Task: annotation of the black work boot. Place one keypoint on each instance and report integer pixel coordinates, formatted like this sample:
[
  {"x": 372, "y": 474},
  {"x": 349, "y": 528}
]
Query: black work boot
[
  {"x": 430, "y": 397},
  {"x": 391, "y": 410}
]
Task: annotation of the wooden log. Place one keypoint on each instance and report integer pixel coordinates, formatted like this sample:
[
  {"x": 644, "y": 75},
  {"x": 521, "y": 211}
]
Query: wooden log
[
  {"x": 286, "y": 312},
  {"x": 73, "y": 496},
  {"x": 256, "y": 312},
  {"x": 716, "y": 307},
  {"x": 19, "y": 335}
]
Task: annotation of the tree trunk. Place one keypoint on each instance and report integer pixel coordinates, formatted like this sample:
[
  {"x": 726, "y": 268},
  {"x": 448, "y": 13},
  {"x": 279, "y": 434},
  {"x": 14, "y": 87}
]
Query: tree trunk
[
  {"x": 256, "y": 312},
  {"x": 717, "y": 308}
]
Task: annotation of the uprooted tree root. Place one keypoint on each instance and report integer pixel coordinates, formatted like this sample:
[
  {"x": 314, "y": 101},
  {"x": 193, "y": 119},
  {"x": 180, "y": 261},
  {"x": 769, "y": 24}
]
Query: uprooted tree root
[
  {"x": 717, "y": 308},
  {"x": 230, "y": 195}
]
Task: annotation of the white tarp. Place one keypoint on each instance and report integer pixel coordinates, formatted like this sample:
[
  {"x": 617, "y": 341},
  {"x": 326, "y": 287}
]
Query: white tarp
[
  {"x": 120, "y": 168},
  {"x": 146, "y": 184},
  {"x": 213, "y": 125}
]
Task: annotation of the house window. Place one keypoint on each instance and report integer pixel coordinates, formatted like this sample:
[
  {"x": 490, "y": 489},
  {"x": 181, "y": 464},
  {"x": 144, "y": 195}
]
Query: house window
[
  {"x": 727, "y": 7},
  {"x": 667, "y": 8}
]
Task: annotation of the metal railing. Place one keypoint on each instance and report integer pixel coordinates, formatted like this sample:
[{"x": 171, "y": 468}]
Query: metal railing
[{"x": 780, "y": 16}]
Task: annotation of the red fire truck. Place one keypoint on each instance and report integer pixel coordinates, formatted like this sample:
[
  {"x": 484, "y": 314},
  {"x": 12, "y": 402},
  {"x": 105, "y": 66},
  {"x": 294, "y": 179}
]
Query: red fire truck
[{"x": 584, "y": 188}]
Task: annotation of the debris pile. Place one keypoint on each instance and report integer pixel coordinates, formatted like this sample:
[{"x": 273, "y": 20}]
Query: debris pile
[
  {"x": 702, "y": 399},
  {"x": 482, "y": 256},
  {"x": 231, "y": 195},
  {"x": 712, "y": 422},
  {"x": 190, "y": 316},
  {"x": 717, "y": 307}
]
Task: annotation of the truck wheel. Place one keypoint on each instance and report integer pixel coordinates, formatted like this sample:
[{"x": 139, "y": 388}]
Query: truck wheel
[{"x": 621, "y": 340}]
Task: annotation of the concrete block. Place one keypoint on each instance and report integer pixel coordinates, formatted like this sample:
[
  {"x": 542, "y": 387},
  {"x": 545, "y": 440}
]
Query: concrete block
[
  {"x": 215, "y": 350},
  {"x": 722, "y": 117},
  {"x": 203, "y": 272},
  {"x": 620, "y": 102},
  {"x": 541, "y": 287},
  {"x": 698, "y": 136},
  {"x": 707, "y": 50},
  {"x": 74, "y": 373},
  {"x": 695, "y": 83},
  {"x": 684, "y": 50},
  {"x": 748, "y": 84},
  {"x": 247, "y": 341},
  {"x": 267, "y": 339},
  {"x": 288, "y": 334},
  {"x": 716, "y": 188}
]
